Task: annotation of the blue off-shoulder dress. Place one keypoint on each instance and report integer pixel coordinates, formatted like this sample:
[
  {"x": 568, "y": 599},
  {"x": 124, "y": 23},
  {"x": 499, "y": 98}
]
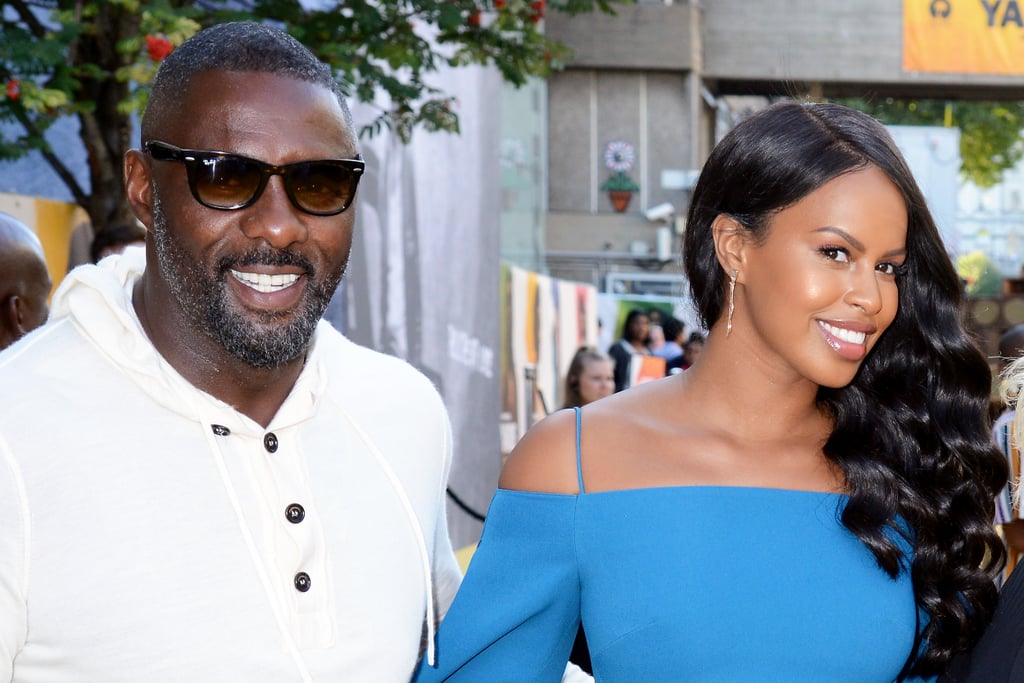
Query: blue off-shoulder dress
[{"x": 695, "y": 583}]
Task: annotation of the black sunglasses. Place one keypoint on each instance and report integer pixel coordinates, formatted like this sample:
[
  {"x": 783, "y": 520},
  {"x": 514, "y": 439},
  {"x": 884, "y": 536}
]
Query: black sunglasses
[{"x": 220, "y": 180}]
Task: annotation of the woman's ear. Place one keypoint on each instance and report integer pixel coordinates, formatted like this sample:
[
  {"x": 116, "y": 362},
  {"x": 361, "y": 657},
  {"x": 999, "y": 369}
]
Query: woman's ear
[{"x": 731, "y": 241}]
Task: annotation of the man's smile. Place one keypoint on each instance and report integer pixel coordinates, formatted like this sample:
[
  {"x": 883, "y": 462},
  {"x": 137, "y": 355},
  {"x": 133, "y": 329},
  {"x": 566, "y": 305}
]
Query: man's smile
[{"x": 264, "y": 282}]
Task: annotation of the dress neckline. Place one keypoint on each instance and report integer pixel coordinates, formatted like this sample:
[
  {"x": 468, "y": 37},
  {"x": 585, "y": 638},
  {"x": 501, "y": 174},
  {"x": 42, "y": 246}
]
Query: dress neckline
[{"x": 683, "y": 488}]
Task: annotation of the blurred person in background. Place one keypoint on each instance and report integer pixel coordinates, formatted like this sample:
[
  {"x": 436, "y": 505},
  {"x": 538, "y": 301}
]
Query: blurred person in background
[
  {"x": 115, "y": 239},
  {"x": 691, "y": 352},
  {"x": 999, "y": 656},
  {"x": 1008, "y": 512},
  {"x": 672, "y": 328},
  {"x": 655, "y": 338},
  {"x": 590, "y": 376},
  {"x": 24, "y": 281},
  {"x": 635, "y": 331}
]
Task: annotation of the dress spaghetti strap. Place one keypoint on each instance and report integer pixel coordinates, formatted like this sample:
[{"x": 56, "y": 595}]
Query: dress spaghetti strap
[{"x": 579, "y": 465}]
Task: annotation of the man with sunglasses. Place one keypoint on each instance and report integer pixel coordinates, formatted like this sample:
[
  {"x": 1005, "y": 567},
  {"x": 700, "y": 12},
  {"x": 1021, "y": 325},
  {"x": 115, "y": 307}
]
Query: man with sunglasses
[{"x": 201, "y": 480}]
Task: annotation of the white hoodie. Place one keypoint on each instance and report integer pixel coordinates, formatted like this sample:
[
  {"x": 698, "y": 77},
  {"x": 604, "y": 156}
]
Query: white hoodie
[{"x": 150, "y": 532}]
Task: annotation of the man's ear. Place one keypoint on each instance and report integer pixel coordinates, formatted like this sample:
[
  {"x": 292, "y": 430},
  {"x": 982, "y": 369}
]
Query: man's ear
[
  {"x": 11, "y": 326},
  {"x": 731, "y": 241},
  {"x": 138, "y": 186}
]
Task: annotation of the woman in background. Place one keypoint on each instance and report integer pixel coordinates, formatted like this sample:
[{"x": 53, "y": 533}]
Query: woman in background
[
  {"x": 590, "y": 377},
  {"x": 999, "y": 656},
  {"x": 635, "y": 330},
  {"x": 812, "y": 500}
]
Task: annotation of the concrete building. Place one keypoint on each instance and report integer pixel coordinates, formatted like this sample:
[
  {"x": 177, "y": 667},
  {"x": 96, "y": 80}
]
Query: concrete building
[{"x": 670, "y": 77}]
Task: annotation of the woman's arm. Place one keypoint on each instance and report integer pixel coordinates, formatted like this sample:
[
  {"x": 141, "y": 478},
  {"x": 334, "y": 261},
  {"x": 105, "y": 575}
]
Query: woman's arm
[{"x": 517, "y": 611}]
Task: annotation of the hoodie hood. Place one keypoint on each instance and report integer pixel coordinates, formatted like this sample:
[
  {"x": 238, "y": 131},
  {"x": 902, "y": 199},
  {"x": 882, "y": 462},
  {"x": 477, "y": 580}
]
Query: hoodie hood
[{"x": 97, "y": 299}]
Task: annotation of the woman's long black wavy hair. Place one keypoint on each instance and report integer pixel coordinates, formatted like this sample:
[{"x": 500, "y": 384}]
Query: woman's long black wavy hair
[{"x": 911, "y": 432}]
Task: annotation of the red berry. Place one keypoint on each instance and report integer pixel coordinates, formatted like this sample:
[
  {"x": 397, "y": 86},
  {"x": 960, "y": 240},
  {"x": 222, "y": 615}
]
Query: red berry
[{"x": 158, "y": 47}]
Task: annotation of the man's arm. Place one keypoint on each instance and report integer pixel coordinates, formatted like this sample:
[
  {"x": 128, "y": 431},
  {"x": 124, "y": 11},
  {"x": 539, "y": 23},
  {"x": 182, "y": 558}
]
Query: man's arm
[{"x": 13, "y": 562}]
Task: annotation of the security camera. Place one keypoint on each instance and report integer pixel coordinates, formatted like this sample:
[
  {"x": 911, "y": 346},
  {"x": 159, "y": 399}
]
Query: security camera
[{"x": 661, "y": 212}]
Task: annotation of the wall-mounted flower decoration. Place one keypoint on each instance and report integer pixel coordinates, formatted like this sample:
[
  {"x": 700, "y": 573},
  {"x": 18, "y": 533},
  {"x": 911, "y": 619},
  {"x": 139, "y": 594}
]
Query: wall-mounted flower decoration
[{"x": 619, "y": 158}]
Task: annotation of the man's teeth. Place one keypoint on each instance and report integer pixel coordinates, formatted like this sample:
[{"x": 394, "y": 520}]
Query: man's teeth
[
  {"x": 844, "y": 334},
  {"x": 263, "y": 282}
]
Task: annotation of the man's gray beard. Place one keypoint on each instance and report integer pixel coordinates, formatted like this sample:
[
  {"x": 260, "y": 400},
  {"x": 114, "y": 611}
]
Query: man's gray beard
[{"x": 271, "y": 339}]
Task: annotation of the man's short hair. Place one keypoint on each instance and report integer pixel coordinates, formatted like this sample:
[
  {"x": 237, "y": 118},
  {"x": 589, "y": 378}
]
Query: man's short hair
[{"x": 244, "y": 46}]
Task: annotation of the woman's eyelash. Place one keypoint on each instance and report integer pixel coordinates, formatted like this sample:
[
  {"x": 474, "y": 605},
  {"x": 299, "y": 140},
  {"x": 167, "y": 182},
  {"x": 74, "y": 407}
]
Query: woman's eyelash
[
  {"x": 833, "y": 252},
  {"x": 898, "y": 269}
]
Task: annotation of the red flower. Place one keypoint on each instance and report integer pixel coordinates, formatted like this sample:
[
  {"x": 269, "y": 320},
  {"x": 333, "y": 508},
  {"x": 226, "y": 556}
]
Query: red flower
[
  {"x": 13, "y": 89},
  {"x": 499, "y": 4},
  {"x": 537, "y": 10},
  {"x": 474, "y": 18},
  {"x": 159, "y": 47}
]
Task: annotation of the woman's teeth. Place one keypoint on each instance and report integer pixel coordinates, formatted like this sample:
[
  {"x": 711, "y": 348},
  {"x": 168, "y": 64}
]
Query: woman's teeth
[{"x": 843, "y": 334}]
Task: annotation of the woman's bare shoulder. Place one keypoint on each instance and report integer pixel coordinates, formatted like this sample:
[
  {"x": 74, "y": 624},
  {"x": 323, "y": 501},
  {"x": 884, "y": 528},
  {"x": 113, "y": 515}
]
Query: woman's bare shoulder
[{"x": 544, "y": 460}]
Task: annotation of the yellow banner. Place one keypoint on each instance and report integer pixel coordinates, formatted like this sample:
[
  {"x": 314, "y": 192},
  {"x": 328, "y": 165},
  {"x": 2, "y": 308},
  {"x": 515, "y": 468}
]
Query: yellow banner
[{"x": 964, "y": 36}]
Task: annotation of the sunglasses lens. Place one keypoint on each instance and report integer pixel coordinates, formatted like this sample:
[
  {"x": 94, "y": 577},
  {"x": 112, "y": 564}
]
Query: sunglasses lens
[
  {"x": 321, "y": 188},
  {"x": 220, "y": 180},
  {"x": 226, "y": 182}
]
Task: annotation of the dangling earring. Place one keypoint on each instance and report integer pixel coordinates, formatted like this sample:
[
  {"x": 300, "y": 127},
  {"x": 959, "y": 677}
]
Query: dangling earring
[{"x": 732, "y": 301}]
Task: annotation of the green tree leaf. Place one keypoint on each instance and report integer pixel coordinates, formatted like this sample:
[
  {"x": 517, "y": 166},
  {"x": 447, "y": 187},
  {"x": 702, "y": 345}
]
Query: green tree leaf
[
  {"x": 990, "y": 132},
  {"x": 91, "y": 59},
  {"x": 981, "y": 275}
]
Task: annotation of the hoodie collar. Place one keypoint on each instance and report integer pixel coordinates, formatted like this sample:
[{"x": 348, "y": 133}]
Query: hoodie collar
[{"x": 98, "y": 301}]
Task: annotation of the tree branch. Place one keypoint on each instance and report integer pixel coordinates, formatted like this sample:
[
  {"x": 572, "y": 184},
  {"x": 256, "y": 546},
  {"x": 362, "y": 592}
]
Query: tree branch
[
  {"x": 81, "y": 198},
  {"x": 28, "y": 16}
]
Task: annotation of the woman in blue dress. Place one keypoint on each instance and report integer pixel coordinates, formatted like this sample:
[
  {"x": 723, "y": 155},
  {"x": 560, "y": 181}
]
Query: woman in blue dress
[{"x": 812, "y": 500}]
